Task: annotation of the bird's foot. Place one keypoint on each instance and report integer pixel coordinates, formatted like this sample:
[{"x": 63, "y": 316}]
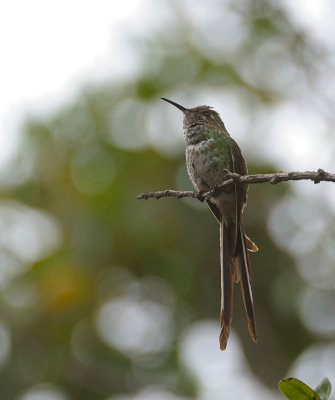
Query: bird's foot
[
  {"x": 200, "y": 195},
  {"x": 215, "y": 191}
]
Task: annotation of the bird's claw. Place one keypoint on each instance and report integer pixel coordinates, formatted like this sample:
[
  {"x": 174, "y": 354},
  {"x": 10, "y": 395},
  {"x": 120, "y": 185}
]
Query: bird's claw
[{"x": 200, "y": 195}]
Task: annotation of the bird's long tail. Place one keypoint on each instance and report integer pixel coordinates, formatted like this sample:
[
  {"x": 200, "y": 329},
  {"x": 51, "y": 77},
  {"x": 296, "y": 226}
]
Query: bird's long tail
[
  {"x": 235, "y": 266},
  {"x": 227, "y": 282},
  {"x": 245, "y": 270}
]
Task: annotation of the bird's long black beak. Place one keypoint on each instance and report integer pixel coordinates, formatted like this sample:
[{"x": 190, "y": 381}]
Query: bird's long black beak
[{"x": 181, "y": 108}]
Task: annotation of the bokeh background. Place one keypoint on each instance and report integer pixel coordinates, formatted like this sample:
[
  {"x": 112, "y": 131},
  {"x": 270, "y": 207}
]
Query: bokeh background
[{"x": 105, "y": 297}]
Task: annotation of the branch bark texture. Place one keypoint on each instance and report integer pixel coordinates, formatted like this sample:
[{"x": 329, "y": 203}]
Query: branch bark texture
[{"x": 232, "y": 178}]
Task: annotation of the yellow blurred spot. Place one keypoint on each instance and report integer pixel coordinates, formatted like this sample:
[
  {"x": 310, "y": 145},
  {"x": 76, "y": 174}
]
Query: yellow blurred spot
[{"x": 65, "y": 286}]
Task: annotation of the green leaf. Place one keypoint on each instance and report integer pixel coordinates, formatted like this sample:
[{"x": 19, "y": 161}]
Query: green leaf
[
  {"x": 323, "y": 389},
  {"x": 294, "y": 389}
]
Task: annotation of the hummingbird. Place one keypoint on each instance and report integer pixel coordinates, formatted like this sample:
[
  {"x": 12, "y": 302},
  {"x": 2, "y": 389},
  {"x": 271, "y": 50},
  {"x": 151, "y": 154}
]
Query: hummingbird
[{"x": 210, "y": 150}]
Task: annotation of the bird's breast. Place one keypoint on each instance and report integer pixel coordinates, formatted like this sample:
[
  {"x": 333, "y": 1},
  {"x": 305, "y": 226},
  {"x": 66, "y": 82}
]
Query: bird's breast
[{"x": 205, "y": 165}]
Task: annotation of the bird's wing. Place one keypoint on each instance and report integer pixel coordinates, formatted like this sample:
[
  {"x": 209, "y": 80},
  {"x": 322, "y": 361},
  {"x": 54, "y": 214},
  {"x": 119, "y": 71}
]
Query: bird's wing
[{"x": 238, "y": 166}]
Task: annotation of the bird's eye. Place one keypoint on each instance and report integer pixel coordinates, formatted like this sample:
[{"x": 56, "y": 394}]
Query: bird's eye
[{"x": 207, "y": 114}]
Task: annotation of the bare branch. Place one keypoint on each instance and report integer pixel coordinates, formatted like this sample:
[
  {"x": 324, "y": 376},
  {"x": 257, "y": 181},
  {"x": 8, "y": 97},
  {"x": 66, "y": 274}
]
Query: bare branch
[{"x": 315, "y": 176}]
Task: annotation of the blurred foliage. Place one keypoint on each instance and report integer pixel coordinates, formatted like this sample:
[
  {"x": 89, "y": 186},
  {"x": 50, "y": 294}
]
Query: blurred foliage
[
  {"x": 100, "y": 262},
  {"x": 294, "y": 389}
]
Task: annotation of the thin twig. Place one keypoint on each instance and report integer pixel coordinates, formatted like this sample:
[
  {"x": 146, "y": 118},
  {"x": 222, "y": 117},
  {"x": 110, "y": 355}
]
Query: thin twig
[{"x": 315, "y": 176}]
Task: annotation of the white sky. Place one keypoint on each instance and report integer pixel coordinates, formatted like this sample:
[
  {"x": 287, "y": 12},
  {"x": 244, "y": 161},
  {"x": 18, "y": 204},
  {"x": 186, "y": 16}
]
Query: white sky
[
  {"x": 50, "y": 48},
  {"x": 315, "y": 16}
]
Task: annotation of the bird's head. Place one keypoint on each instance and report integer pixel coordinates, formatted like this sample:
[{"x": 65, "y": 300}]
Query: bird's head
[{"x": 201, "y": 115}]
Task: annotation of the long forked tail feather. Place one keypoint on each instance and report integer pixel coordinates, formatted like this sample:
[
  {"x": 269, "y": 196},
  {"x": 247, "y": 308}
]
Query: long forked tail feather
[
  {"x": 227, "y": 282},
  {"x": 244, "y": 264}
]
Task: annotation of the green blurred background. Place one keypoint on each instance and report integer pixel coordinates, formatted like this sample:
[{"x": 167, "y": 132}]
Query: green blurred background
[{"x": 105, "y": 297}]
